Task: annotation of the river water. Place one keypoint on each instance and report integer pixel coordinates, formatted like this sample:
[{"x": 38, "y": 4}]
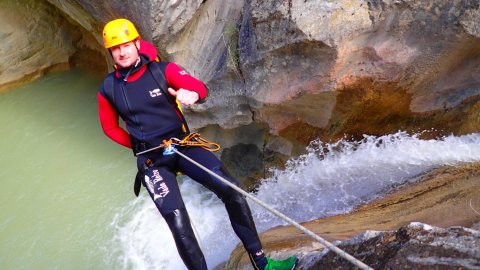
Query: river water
[{"x": 67, "y": 202}]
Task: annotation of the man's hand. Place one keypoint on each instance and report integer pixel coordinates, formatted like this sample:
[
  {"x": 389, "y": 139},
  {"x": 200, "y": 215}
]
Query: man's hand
[{"x": 186, "y": 97}]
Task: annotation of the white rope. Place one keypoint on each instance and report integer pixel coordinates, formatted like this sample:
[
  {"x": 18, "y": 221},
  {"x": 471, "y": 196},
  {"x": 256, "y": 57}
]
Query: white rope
[
  {"x": 471, "y": 206},
  {"x": 327, "y": 244}
]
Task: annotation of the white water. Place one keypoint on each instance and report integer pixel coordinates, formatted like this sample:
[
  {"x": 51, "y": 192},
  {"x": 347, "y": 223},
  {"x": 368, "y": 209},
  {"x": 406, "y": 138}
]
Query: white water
[{"x": 330, "y": 179}]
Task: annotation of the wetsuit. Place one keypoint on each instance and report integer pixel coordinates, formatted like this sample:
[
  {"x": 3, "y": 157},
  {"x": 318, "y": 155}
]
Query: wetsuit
[{"x": 151, "y": 116}]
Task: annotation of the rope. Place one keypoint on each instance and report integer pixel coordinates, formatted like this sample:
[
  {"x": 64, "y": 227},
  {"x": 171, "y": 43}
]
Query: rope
[{"x": 327, "y": 244}]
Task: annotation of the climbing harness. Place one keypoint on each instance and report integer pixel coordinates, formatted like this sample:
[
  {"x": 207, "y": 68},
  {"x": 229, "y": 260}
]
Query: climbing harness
[{"x": 194, "y": 140}]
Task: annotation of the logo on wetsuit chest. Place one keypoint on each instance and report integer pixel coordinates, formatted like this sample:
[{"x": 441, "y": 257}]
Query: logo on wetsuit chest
[{"x": 155, "y": 93}]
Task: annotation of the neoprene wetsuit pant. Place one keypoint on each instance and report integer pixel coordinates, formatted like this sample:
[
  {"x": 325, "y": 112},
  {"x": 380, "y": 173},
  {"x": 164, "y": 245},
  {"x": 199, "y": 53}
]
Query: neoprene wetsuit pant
[{"x": 160, "y": 181}]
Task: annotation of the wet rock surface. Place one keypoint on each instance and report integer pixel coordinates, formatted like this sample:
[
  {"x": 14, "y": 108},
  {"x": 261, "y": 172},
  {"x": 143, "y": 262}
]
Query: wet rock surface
[{"x": 416, "y": 246}]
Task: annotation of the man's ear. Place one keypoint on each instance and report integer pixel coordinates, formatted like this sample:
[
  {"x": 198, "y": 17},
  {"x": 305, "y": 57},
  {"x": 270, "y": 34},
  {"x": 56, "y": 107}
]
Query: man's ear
[{"x": 137, "y": 43}]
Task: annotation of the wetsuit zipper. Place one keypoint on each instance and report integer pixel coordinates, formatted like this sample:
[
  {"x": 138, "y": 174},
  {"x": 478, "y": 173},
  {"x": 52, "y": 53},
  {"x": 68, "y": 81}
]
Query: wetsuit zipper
[{"x": 124, "y": 87}]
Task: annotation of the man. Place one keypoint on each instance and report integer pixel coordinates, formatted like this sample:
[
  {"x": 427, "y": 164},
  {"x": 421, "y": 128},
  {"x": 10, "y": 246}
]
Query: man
[{"x": 144, "y": 93}]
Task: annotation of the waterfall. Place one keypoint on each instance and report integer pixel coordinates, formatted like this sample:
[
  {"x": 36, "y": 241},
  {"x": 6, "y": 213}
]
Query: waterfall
[{"x": 329, "y": 179}]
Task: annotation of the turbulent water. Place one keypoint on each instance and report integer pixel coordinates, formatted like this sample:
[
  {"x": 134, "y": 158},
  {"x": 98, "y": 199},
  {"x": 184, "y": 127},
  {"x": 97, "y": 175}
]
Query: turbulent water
[
  {"x": 67, "y": 200},
  {"x": 330, "y": 179}
]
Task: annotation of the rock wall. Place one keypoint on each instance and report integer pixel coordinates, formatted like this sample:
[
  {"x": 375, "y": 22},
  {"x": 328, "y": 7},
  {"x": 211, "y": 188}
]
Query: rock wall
[
  {"x": 295, "y": 70},
  {"x": 413, "y": 246},
  {"x": 37, "y": 38},
  {"x": 364, "y": 56},
  {"x": 416, "y": 246}
]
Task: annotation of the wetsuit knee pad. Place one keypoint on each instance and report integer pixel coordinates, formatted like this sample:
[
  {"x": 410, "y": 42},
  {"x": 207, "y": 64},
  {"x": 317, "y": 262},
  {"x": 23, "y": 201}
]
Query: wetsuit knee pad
[{"x": 179, "y": 223}]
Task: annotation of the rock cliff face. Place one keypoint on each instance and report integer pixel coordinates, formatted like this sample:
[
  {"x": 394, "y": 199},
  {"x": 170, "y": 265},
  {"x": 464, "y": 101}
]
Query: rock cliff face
[
  {"x": 290, "y": 71},
  {"x": 353, "y": 67},
  {"x": 37, "y": 38},
  {"x": 416, "y": 246}
]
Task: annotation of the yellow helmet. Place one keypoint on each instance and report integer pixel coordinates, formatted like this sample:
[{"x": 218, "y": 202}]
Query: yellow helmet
[{"x": 119, "y": 31}]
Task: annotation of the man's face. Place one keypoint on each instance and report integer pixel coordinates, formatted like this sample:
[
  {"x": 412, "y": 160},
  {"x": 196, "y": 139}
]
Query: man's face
[{"x": 125, "y": 54}]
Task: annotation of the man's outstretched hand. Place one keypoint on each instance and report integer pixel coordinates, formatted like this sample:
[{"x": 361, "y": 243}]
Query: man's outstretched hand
[{"x": 186, "y": 97}]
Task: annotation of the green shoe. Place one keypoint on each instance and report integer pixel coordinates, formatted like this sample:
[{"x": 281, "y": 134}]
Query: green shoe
[{"x": 287, "y": 264}]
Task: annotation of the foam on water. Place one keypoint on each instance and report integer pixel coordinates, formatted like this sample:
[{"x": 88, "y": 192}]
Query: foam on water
[
  {"x": 329, "y": 179},
  {"x": 334, "y": 178}
]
